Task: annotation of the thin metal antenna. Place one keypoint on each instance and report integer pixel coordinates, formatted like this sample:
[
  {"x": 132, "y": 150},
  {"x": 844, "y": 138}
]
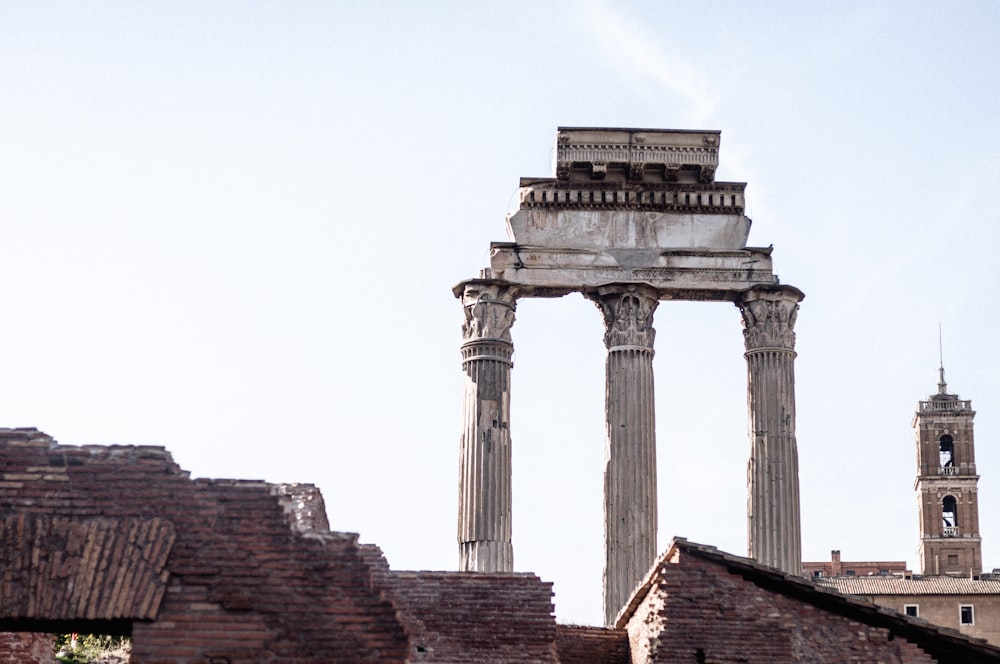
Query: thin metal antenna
[
  {"x": 942, "y": 386},
  {"x": 940, "y": 347}
]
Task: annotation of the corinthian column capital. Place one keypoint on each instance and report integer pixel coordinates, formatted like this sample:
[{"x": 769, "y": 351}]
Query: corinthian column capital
[
  {"x": 489, "y": 310},
  {"x": 769, "y": 315},
  {"x": 628, "y": 315}
]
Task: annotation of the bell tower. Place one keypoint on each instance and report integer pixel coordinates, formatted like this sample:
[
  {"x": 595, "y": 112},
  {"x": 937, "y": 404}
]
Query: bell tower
[{"x": 947, "y": 497}]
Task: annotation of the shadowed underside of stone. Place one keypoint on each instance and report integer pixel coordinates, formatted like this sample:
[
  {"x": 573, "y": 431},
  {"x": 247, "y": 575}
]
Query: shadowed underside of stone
[{"x": 58, "y": 568}]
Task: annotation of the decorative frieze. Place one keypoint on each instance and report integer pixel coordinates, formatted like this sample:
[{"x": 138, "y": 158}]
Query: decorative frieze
[
  {"x": 726, "y": 198},
  {"x": 634, "y": 151}
]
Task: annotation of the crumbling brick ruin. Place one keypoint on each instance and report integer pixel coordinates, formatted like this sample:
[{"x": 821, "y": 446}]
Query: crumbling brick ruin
[{"x": 120, "y": 540}]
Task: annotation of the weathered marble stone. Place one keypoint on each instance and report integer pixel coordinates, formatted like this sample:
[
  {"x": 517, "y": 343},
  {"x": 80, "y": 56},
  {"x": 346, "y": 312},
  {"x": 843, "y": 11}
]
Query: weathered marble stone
[
  {"x": 630, "y": 450},
  {"x": 671, "y": 155},
  {"x": 677, "y": 275},
  {"x": 607, "y": 230},
  {"x": 484, "y": 516},
  {"x": 773, "y": 519},
  {"x": 631, "y": 217}
]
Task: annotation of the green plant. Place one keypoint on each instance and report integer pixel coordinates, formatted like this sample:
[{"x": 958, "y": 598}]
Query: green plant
[{"x": 92, "y": 648}]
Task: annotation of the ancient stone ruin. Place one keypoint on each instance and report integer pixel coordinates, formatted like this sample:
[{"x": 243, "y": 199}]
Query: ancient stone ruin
[
  {"x": 632, "y": 218},
  {"x": 120, "y": 540}
]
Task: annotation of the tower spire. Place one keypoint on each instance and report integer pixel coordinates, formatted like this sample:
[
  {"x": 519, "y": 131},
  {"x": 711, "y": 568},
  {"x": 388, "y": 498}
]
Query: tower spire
[{"x": 942, "y": 385}]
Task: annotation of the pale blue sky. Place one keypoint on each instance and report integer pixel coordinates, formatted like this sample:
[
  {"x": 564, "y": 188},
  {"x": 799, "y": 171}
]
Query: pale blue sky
[{"x": 231, "y": 228}]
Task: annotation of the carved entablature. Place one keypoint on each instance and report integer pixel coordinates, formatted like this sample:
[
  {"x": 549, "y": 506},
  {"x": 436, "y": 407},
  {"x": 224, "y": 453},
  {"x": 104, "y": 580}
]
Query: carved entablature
[
  {"x": 616, "y": 214},
  {"x": 489, "y": 311},
  {"x": 659, "y": 155},
  {"x": 769, "y": 317},
  {"x": 713, "y": 198},
  {"x": 628, "y": 316}
]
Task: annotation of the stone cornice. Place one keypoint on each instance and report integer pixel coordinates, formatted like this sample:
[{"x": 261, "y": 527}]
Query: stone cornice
[
  {"x": 718, "y": 197},
  {"x": 683, "y": 274},
  {"x": 636, "y": 154},
  {"x": 965, "y": 483},
  {"x": 962, "y": 538}
]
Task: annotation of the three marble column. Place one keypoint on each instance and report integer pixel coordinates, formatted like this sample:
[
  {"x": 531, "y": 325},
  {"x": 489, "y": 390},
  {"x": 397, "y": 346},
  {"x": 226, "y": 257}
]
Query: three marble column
[{"x": 630, "y": 523}]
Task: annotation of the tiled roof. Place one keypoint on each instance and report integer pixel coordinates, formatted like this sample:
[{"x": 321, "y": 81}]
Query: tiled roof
[{"x": 894, "y": 585}]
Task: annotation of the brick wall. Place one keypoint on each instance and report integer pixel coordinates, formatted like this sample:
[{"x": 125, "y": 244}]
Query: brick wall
[
  {"x": 697, "y": 611},
  {"x": 592, "y": 645},
  {"x": 119, "y": 539},
  {"x": 462, "y": 617},
  {"x": 27, "y": 648},
  {"x": 250, "y": 575}
]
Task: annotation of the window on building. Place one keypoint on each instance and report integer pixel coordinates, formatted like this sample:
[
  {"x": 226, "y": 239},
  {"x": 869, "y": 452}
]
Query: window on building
[
  {"x": 817, "y": 573},
  {"x": 912, "y": 610},
  {"x": 949, "y": 516},
  {"x": 947, "y": 451},
  {"x": 966, "y": 614},
  {"x": 850, "y": 572}
]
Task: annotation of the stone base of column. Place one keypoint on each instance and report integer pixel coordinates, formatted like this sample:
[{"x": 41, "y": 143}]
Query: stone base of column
[{"x": 488, "y": 556}]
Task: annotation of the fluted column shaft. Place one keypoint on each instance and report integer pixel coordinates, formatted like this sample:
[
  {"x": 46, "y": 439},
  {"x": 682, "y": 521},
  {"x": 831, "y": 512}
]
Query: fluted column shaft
[
  {"x": 630, "y": 453},
  {"x": 484, "y": 511},
  {"x": 774, "y": 525}
]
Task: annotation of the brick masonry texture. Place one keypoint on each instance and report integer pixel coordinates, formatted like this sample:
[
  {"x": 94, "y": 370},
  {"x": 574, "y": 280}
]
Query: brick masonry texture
[
  {"x": 592, "y": 645},
  {"x": 700, "y": 605},
  {"x": 26, "y": 648},
  {"x": 727, "y": 619},
  {"x": 460, "y": 617},
  {"x": 99, "y": 568},
  {"x": 245, "y": 581},
  {"x": 119, "y": 539}
]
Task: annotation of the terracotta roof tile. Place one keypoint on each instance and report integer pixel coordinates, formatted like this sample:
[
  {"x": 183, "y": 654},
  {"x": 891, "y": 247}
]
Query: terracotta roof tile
[{"x": 894, "y": 585}]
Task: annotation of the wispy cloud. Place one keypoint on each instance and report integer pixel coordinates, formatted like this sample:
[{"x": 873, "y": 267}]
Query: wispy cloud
[
  {"x": 644, "y": 56},
  {"x": 639, "y": 54}
]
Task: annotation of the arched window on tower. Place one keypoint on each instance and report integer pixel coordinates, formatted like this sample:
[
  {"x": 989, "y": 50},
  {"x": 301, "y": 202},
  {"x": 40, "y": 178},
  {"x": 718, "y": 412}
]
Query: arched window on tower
[
  {"x": 947, "y": 455},
  {"x": 949, "y": 517}
]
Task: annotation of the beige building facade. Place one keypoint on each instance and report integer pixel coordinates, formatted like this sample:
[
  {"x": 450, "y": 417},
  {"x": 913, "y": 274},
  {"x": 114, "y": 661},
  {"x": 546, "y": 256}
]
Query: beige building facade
[{"x": 969, "y": 605}]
